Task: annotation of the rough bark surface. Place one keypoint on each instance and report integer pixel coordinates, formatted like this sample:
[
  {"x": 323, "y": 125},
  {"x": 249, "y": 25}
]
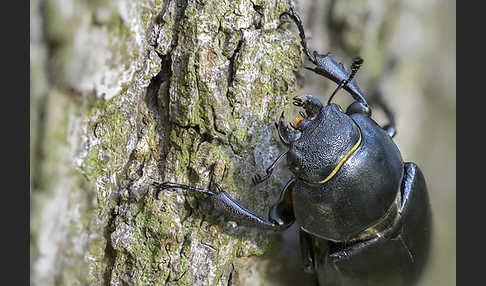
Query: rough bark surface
[
  {"x": 184, "y": 91},
  {"x": 125, "y": 93}
]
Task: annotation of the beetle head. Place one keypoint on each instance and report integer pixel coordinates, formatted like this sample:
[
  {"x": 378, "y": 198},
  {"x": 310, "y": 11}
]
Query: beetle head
[
  {"x": 312, "y": 107},
  {"x": 325, "y": 140}
]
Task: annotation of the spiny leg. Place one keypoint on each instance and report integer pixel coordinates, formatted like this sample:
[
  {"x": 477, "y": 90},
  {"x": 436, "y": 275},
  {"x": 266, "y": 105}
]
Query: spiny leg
[
  {"x": 326, "y": 65},
  {"x": 257, "y": 179},
  {"x": 167, "y": 185},
  {"x": 280, "y": 215}
]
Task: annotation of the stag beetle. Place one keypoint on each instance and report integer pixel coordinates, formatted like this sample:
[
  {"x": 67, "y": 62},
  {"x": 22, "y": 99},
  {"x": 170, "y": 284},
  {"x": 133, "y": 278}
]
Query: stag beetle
[{"x": 363, "y": 212}]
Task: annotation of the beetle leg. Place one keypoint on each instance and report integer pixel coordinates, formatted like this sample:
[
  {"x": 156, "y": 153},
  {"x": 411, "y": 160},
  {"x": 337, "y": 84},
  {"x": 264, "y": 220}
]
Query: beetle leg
[
  {"x": 376, "y": 97},
  {"x": 354, "y": 249},
  {"x": 282, "y": 212},
  {"x": 306, "y": 250},
  {"x": 257, "y": 179},
  {"x": 283, "y": 130},
  {"x": 280, "y": 215},
  {"x": 326, "y": 65}
]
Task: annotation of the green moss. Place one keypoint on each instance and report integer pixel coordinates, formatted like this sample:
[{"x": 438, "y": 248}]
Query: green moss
[
  {"x": 153, "y": 231},
  {"x": 93, "y": 164}
]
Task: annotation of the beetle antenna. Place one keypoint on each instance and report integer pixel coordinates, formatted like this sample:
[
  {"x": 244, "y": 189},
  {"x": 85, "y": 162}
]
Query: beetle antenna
[{"x": 357, "y": 62}]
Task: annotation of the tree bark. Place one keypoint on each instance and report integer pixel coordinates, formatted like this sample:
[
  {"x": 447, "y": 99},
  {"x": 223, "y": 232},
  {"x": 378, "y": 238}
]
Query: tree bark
[{"x": 185, "y": 91}]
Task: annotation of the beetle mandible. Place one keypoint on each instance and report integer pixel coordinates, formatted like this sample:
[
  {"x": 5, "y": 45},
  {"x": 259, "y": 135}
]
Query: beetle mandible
[{"x": 363, "y": 212}]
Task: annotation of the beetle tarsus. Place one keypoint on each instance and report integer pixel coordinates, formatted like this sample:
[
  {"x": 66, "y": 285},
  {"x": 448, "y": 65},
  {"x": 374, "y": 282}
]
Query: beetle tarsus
[{"x": 257, "y": 179}]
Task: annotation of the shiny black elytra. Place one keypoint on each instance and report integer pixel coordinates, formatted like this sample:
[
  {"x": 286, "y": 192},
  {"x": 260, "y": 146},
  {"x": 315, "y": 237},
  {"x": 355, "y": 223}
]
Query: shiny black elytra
[{"x": 363, "y": 212}]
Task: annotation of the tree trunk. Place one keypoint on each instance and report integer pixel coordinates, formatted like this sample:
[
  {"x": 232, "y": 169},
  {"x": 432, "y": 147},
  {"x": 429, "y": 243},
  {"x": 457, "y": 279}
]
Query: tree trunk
[
  {"x": 185, "y": 91},
  {"x": 126, "y": 93}
]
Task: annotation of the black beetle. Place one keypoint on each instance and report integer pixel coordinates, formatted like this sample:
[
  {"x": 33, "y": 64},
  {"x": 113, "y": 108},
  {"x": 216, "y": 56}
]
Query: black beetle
[{"x": 363, "y": 212}]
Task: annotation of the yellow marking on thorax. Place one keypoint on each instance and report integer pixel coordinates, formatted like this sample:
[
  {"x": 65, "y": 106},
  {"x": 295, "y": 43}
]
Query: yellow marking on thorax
[{"x": 341, "y": 163}]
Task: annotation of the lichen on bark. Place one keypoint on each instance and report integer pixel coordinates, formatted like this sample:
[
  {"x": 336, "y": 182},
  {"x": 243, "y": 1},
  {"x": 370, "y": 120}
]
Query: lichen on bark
[
  {"x": 225, "y": 76},
  {"x": 175, "y": 90}
]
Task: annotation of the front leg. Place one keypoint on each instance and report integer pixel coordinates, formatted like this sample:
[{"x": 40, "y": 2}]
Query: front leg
[{"x": 280, "y": 215}]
